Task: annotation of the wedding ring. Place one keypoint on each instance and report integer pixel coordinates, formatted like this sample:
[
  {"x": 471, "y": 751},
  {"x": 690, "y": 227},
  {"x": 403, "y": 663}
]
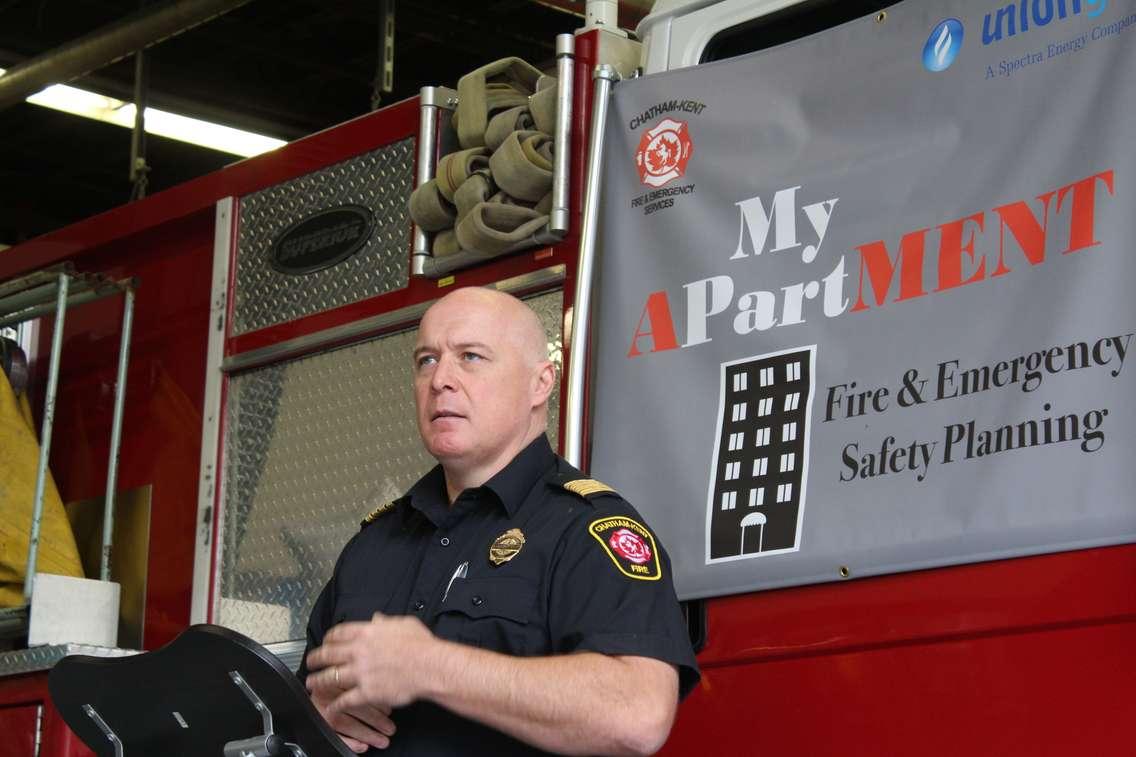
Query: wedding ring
[{"x": 336, "y": 669}]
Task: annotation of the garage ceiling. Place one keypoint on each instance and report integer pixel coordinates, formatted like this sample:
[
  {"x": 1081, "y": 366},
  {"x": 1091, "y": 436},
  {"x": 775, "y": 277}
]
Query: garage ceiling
[{"x": 284, "y": 68}]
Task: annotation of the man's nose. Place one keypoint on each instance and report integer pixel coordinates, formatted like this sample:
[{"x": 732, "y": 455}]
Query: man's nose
[{"x": 443, "y": 377}]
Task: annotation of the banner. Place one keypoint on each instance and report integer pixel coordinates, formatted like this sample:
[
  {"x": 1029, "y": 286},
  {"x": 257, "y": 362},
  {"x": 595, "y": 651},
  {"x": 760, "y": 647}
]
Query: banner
[{"x": 866, "y": 299}]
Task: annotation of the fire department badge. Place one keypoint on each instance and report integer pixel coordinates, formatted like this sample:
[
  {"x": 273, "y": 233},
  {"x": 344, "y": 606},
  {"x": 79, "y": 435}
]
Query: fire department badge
[
  {"x": 506, "y": 546},
  {"x": 663, "y": 152},
  {"x": 630, "y": 546}
]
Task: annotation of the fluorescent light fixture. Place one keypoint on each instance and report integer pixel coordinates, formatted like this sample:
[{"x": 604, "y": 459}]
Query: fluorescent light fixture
[{"x": 80, "y": 102}]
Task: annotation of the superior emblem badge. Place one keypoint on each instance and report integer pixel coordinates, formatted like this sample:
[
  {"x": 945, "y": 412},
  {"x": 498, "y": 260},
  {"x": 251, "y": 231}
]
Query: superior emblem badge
[{"x": 506, "y": 546}]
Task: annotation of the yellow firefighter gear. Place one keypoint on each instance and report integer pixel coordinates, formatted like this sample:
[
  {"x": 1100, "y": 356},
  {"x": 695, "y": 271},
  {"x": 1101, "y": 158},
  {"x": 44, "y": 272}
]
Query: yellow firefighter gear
[{"x": 19, "y": 457}]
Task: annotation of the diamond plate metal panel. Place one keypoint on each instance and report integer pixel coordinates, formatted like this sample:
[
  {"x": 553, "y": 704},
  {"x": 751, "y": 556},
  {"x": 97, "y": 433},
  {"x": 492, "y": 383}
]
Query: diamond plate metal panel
[
  {"x": 35, "y": 659},
  {"x": 312, "y": 446},
  {"x": 380, "y": 180}
]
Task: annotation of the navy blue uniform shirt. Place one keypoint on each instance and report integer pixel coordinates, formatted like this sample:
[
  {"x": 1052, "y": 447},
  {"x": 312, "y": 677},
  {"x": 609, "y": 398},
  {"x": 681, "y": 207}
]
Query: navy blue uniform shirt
[{"x": 589, "y": 576}]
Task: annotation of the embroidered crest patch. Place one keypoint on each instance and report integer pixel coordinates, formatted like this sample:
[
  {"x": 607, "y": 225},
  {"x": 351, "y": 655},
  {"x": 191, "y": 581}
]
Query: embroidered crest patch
[{"x": 629, "y": 545}]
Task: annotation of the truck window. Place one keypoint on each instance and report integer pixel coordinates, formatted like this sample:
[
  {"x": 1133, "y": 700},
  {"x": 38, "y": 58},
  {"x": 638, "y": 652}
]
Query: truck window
[{"x": 796, "y": 21}]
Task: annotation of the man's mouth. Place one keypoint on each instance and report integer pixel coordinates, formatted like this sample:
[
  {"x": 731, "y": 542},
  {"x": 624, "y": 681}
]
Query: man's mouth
[{"x": 445, "y": 414}]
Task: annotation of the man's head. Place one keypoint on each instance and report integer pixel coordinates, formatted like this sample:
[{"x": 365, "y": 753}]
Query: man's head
[{"x": 481, "y": 382}]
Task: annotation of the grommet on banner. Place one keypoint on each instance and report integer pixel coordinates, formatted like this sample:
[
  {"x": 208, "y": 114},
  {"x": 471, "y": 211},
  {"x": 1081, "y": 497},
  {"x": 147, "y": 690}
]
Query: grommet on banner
[
  {"x": 881, "y": 17},
  {"x": 844, "y": 572}
]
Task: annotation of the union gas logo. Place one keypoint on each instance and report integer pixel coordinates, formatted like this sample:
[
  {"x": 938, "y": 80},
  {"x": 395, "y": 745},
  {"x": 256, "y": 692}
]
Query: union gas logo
[
  {"x": 943, "y": 45},
  {"x": 663, "y": 153}
]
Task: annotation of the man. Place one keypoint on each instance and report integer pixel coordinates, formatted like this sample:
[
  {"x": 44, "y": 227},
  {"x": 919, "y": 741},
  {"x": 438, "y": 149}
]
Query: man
[{"x": 506, "y": 605}]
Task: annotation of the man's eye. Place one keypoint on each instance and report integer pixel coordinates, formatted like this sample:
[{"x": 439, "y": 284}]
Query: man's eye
[
  {"x": 470, "y": 356},
  {"x": 425, "y": 360}
]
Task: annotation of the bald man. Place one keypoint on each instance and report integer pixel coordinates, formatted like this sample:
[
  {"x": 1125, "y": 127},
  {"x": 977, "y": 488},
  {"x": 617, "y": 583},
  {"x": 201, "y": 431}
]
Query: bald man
[{"x": 507, "y": 605}]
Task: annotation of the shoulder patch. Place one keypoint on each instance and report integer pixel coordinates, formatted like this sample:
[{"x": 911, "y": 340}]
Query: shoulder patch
[
  {"x": 378, "y": 512},
  {"x": 630, "y": 546},
  {"x": 587, "y": 487}
]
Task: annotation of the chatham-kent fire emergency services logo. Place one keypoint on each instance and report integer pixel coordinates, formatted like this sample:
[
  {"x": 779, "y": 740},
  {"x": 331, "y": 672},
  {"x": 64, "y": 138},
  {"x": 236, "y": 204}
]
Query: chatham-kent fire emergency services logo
[
  {"x": 629, "y": 545},
  {"x": 663, "y": 152}
]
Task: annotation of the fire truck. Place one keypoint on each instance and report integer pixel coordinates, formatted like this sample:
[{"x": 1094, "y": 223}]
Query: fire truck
[{"x": 232, "y": 354}]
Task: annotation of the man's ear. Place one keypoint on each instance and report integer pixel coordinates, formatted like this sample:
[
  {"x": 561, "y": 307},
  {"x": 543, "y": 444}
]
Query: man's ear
[{"x": 544, "y": 381}]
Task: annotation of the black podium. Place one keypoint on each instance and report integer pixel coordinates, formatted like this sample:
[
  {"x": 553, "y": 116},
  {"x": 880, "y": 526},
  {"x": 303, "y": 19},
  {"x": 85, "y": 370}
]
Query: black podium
[{"x": 209, "y": 692}]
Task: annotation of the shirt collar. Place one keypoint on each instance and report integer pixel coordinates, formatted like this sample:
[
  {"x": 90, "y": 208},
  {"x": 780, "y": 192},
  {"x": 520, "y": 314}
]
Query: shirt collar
[
  {"x": 513, "y": 482},
  {"x": 509, "y": 486}
]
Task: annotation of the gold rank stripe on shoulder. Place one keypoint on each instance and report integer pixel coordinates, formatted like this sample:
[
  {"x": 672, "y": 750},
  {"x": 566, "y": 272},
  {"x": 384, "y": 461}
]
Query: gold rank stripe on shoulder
[
  {"x": 586, "y": 487},
  {"x": 379, "y": 511}
]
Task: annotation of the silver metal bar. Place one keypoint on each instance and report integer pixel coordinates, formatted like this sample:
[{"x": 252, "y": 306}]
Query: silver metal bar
[
  {"x": 98, "y": 293},
  {"x": 289, "y": 652},
  {"x": 14, "y": 622},
  {"x": 210, "y": 481},
  {"x": 386, "y": 61},
  {"x": 93, "y": 714},
  {"x": 116, "y": 430},
  {"x": 536, "y": 280},
  {"x": 39, "y": 730},
  {"x": 427, "y": 162},
  {"x": 558, "y": 220},
  {"x": 261, "y": 707},
  {"x": 43, "y": 276},
  {"x": 436, "y": 268},
  {"x": 45, "y": 433},
  {"x": 107, "y": 45},
  {"x": 138, "y": 168},
  {"x": 27, "y": 298},
  {"x": 423, "y": 262},
  {"x": 573, "y": 408},
  {"x": 602, "y": 13},
  {"x": 44, "y": 294}
]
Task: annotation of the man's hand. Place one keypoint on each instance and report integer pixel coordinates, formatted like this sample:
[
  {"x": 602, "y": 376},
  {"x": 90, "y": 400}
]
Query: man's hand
[
  {"x": 583, "y": 703},
  {"x": 370, "y": 664},
  {"x": 359, "y": 728}
]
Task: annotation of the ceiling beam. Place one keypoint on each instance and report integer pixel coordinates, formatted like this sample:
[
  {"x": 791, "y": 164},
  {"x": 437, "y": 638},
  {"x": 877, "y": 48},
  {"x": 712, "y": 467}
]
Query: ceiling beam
[{"x": 107, "y": 45}]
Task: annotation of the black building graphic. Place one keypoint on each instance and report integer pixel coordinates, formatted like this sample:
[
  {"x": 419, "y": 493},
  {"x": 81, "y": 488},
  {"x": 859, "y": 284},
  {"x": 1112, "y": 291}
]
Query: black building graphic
[{"x": 757, "y": 494}]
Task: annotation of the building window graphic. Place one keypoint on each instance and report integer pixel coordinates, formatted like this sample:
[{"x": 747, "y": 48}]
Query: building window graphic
[{"x": 780, "y": 399}]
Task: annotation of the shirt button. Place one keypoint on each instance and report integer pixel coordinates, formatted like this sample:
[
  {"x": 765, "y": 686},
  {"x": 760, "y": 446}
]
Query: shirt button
[
  {"x": 477, "y": 601},
  {"x": 419, "y": 605},
  {"x": 445, "y": 541}
]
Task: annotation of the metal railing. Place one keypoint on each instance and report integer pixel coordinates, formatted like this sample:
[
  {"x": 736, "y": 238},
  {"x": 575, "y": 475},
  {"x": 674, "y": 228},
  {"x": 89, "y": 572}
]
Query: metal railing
[
  {"x": 436, "y": 99},
  {"x": 56, "y": 290}
]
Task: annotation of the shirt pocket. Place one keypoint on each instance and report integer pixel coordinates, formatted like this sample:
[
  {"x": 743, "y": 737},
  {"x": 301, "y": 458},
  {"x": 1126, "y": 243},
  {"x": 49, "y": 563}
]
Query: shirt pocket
[
  {"x": 359, "y": 606},
  {"x": 499, "y": 613}
]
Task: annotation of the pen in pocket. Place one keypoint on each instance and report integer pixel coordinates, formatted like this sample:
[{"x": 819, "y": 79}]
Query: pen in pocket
[{"x": 459, "y": 572}]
